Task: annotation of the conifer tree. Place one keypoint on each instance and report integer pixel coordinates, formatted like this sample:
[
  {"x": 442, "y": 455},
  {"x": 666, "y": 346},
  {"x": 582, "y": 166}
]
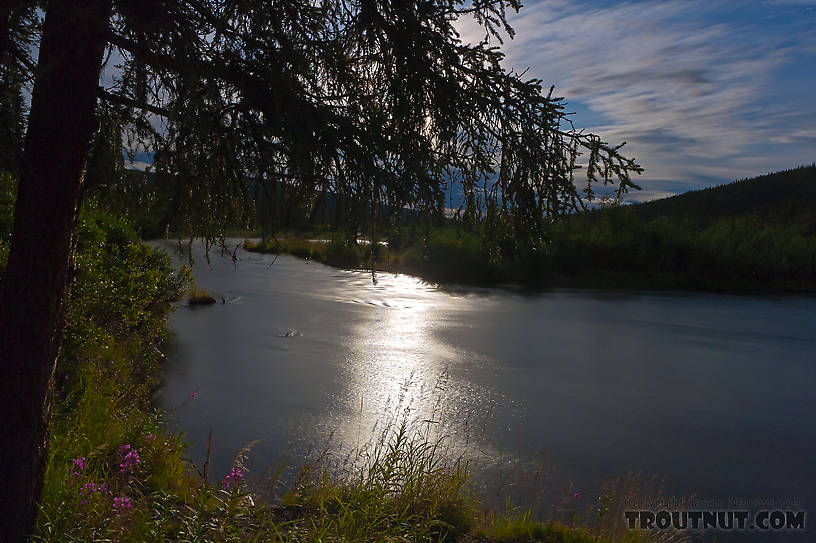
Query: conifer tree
[{"x": 375, "y": 101}]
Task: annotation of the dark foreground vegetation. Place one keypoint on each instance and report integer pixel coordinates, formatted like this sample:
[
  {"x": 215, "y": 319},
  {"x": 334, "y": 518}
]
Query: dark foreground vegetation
[{"x": 756, "y": 235}]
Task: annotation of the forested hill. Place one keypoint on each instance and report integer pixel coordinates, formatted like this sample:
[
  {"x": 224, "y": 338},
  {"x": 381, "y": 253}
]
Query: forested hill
[
  {"x": 755, "y": 235},
  {"x": 776, "y": 197}
]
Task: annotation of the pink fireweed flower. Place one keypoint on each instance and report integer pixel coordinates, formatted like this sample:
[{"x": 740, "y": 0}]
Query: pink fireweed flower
[
  {"x": 128, "y": 459},
  {"x": 122, "y": 502},
  {"x": 78, "y": 466},
  {"x": 234, "y": 477},
  {"x": 93, "y": 487}
]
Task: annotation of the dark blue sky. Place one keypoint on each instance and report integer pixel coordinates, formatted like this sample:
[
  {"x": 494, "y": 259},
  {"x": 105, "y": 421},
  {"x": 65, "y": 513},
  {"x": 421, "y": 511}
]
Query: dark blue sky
[{"x": 703, "y": 91}]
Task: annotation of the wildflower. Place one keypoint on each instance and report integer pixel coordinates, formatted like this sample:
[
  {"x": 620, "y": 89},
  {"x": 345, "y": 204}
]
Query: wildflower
[
  {"x": 88, "y": 487},
  {"x": 150, "y": 438},
  {"x": 122, "y": 503},
  {"x": 78, "y": 466},
  {"x": 93, "y": 487},
  {"x": 576, "y": 495},
  {"x": 194, "y": 394},
  {"x": 234, "y": 477},
  {"x": 128, "y": 458}
]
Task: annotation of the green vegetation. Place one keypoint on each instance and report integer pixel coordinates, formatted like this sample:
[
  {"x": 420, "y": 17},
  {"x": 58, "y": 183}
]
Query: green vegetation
[
  {"x": 198, "y": 296},
  {"x": 521, "y": 528},
  {"x": 8, "y": 193},
  {"x": 757, "y": 235},
  {"x": 108, "y": 369},
  {"x": 448, "y": 253},
  {"x": 776, "y": 198}
]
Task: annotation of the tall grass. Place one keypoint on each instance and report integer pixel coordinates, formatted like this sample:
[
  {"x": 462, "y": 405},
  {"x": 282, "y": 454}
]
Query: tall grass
[{"x": 404, "y": 486}]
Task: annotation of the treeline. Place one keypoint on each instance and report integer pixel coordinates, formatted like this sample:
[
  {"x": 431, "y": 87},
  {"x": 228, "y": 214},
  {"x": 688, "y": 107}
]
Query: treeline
[
  {"x": 779, "y": 198},
  {"x": 158, "y": 206},
  {"x": 757, "y": 235},
  {"x": 752, "y": 235}
]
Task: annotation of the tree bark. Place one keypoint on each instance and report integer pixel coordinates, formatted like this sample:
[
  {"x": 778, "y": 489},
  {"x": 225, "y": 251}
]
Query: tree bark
[
  {"x": 5, "y": 23},
  {"x": 33, "y": 291}
]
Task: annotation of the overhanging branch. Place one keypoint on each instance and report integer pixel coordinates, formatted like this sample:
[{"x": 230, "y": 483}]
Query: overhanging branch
[{"x": 127, "y": 102}]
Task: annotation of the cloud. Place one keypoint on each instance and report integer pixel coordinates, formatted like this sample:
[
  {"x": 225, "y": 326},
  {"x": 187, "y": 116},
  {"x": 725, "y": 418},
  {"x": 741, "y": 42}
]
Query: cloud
[
  {"x": 794, "y": 2},
  {"x": 700, "y": 89},
  {"x": 807, "y": 136}
]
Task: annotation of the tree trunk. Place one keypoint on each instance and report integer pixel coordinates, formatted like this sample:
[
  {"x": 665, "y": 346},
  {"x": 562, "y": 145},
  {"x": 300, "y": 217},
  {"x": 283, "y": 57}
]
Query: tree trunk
[
  {"x": 5, "y": 24},
  {"x": 34, "y": 288}
]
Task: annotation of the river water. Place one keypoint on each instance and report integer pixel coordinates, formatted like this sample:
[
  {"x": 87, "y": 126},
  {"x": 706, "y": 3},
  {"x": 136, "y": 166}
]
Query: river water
[{"x": 551, "y": 395}]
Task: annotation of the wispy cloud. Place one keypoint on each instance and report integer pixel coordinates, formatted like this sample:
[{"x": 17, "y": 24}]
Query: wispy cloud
[{"x": 703, "y": 91}]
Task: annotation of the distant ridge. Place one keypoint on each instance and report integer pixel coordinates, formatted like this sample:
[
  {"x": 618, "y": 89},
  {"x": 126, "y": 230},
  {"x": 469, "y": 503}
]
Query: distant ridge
[
  {"x": 752, "y": 236},
  {"x": 776, "y": 197}
]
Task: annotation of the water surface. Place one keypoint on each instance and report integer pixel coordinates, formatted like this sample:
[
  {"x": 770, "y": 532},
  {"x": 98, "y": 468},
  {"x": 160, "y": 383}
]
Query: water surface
[{"x": 560, "y": 390}]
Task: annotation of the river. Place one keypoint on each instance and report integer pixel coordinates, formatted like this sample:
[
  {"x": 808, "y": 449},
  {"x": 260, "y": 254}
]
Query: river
[{"x": 550, "y": 394}]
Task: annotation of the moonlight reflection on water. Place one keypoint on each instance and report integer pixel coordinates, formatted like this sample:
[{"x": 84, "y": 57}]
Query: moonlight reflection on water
[
  {"x": 712, "y": 393},
  {"x": 399, "y": 369}
]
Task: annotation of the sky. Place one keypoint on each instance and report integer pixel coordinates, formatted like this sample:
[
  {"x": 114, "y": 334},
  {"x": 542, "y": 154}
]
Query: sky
[{"x": 704, "y": 92}]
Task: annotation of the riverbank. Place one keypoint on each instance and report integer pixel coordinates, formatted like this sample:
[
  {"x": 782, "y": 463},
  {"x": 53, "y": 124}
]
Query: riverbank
[
  {"x": 756, "y": 236},
  {"x": 115, "y": 473},
  {"x": 611, "y": 250}
]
